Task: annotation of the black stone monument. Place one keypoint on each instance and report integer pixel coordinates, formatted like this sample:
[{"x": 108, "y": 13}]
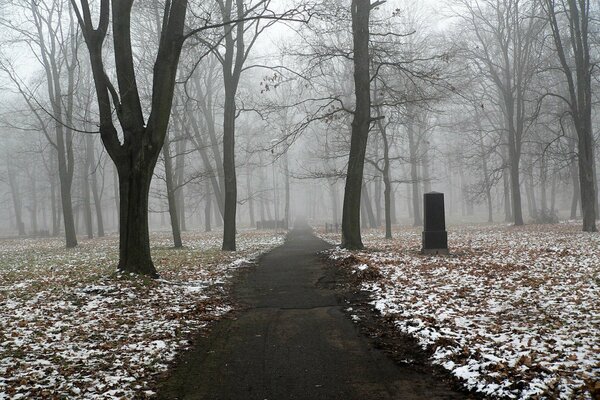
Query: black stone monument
[{"x": 435, "y": 237}]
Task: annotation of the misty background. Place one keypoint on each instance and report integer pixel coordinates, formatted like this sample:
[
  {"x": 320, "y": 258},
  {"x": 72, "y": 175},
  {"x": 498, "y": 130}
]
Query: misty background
[{"x": 467, "y": 98}]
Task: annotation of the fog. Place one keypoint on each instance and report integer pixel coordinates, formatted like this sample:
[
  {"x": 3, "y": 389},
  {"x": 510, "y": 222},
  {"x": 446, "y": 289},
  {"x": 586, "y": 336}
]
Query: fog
[{"x": 474, "y": 99}]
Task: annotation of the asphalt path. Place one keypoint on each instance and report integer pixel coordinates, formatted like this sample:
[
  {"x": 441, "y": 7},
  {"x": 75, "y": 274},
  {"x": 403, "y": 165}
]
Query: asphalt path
[{"x": 293, "y": 341}]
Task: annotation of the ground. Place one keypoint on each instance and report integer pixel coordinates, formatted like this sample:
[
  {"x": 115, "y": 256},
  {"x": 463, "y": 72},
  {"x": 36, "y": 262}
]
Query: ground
[
  {"x": 513, "y": 312},
  {"x": 71, "y": 328}
]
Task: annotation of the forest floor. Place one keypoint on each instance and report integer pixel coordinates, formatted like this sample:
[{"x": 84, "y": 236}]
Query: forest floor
[
  {"x": 70, "y": 327},
  {"x": 512, "y": 312}
]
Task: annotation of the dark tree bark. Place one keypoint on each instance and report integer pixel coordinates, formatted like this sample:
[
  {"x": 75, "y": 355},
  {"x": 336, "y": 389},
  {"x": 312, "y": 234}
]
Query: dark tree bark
[
  {"x": 351, "y": 237},
  {"x": 232, "y": 62},
  {"x": 135, "y": 157},
  {"x": 96, "y": 192}
]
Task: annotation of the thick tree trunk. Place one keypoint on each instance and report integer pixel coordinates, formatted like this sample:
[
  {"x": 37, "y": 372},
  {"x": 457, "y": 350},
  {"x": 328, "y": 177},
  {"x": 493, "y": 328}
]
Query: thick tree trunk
[
  {"x": 134, "y": 234},
  {"x": 586, "y": 176},
  {"x": 351, "y": 238}
]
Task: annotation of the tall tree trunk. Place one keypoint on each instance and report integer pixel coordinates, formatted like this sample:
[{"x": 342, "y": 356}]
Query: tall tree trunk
[
  {"x": 95, "y": 191},
  {"x": 116, "y": 194},
  {"x": 230, "y": 206},
  {"x": 217, "y": 185},
  {"x": 553, "y": 194},
  {"x": 351, "y": 237},
  {"x": 286, "y": 171},
  {"x": 171, "y": 198},
  {"x": 426, "y": 165},
  {"x": 515, "y": 183},
  {"x": 369, "y": 207},
  {"x": 573, "y": 50},
  {"x": 250, "y": 197},
  {"x": 54, "y": 205},
  {"x": 65, "y": 174},
  {"x": 180, "y": 177},
  {"x": 87, "y": 198},
  {"x": 34, "y": 204},
  {"x": 576, "y": 191},
  {"x": 207, "y": 208},
  {"x": 334, "y": 202},
  {"x": 16, "y": 198},
  {"x": 543, "y": 187},
  {"x": 507, "y": 197},
  {"x": 393, "y": 210},
  {"x": 414, "y": 174}
]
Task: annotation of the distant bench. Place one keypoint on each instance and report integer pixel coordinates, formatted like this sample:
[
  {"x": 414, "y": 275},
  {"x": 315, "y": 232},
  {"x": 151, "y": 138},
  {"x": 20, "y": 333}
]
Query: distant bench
[
  {"x": 332, "y": 228},
  {"x": 271, "y": 224}
]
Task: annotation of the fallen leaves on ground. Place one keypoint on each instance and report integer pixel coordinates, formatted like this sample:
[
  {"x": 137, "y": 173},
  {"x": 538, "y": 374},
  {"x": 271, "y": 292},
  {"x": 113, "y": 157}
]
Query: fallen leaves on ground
[
  {"x": 513, "y": 312},
  {"x": 71, "y": 328}
]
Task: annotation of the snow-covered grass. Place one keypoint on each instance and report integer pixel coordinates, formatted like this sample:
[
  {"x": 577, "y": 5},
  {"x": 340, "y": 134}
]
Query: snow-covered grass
[
  {"x": 512, "y": 312},
  {"x": 71, "y": 328}
]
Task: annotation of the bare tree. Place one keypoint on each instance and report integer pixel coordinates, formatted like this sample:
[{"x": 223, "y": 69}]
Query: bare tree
[
  {"x": 574, "y": 42},
  {"x": 136, "y": 154},
  {"x": 506, "y": 51},
  {"x": 351, "y": 237}
]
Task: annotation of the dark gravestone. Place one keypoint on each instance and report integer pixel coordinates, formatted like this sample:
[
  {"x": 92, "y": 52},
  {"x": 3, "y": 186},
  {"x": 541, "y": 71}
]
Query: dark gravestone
[{"x": 435, "y": 237}]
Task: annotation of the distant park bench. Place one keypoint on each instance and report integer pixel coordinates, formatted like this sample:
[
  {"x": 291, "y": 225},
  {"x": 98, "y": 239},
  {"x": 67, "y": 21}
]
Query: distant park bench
[
  {"x": 271, "y": 224},
  {"x": 332, "y": 228}
]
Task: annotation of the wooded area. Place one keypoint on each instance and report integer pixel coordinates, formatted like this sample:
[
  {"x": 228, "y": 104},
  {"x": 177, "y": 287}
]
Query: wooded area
[{"x": 385, "y": 101}]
